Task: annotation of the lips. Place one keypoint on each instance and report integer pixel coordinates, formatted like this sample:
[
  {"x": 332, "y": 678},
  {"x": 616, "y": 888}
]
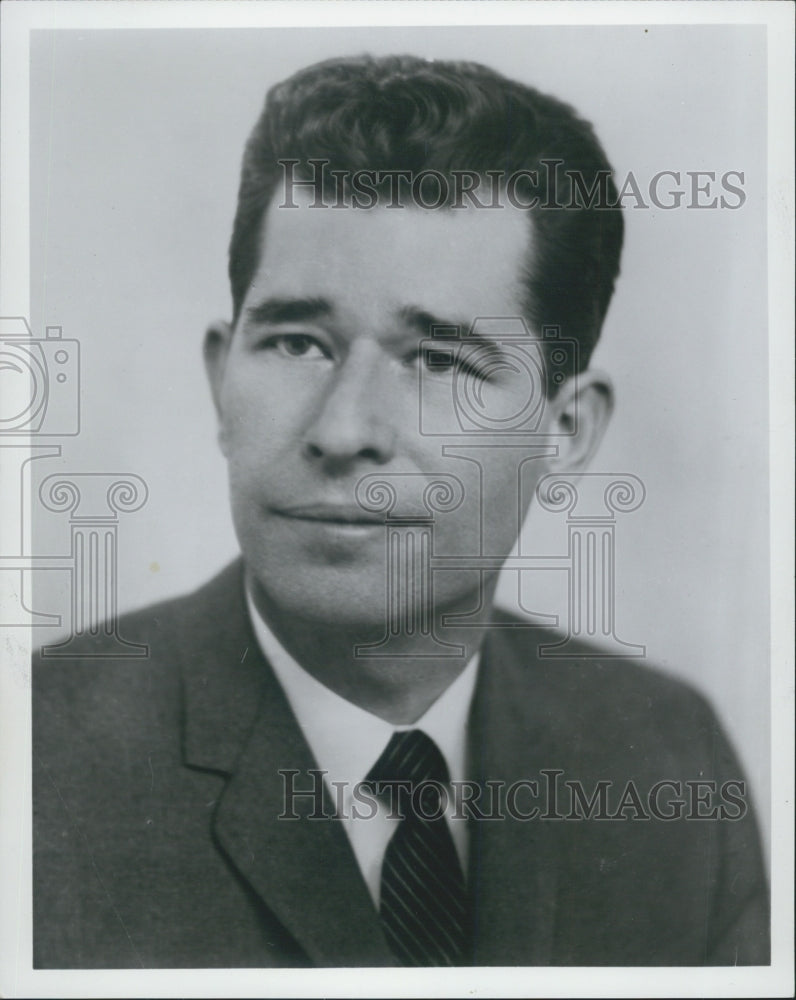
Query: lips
[{"x": 330, "y": 513}]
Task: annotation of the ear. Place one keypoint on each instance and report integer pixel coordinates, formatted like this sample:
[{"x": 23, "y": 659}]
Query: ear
[
  {"x": 579, "y": 415},
  {"x": 216, "y": 350}
]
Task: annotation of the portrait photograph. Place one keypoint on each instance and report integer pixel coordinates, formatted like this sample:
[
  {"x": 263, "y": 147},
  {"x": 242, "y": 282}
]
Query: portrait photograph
[{"x": 397, "y": 499}]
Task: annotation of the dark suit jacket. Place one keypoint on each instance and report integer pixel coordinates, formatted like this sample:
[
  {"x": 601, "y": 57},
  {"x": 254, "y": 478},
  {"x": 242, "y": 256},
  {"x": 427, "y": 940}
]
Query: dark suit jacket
[{"x": 156, "y": 797}]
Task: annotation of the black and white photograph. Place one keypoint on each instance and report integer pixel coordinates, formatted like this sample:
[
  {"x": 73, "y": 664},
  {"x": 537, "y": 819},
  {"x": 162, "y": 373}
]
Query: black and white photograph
[{"x": 397, "y": 508}]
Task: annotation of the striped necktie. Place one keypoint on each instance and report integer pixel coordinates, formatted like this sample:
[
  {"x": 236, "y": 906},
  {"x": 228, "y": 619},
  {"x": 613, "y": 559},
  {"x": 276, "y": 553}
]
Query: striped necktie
[{"x": 423, "y": 902}]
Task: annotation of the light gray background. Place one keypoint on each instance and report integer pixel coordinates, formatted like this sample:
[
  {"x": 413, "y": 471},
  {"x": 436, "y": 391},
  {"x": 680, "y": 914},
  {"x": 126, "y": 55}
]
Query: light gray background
[{"x": 136, "y": 139}]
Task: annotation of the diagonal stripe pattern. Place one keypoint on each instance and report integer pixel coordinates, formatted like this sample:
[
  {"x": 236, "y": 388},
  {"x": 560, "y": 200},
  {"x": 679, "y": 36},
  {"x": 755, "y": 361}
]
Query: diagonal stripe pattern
[{"x": 423, "y": 900}]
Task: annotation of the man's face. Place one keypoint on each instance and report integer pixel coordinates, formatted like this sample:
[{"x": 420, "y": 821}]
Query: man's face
[{"x": 318, "y": 385}]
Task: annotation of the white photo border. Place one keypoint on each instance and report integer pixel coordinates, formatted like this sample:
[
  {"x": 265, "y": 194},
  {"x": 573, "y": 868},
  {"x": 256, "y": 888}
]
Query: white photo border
[{"x": 17, "y": 977}]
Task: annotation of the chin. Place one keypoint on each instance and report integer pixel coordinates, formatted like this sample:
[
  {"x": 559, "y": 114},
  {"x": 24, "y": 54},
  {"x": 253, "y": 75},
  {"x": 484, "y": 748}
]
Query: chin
[{"x": 326, "y": 598}]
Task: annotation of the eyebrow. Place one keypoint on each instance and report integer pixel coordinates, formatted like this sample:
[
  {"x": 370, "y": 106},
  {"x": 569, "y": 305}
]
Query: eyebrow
[
  {"x": 288, "y": 310},
  {"x": 424, "y": 322}
]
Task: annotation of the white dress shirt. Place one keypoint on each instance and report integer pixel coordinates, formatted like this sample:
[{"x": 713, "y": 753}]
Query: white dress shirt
[{"x": 346, "y": 741}]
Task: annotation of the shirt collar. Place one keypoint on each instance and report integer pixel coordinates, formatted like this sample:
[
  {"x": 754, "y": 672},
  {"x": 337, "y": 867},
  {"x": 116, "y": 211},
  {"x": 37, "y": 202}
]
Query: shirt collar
[{"x": 347, "y": 740}]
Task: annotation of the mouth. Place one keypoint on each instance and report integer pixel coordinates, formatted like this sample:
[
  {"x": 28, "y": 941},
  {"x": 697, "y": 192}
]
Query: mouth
[{"x": 334, "y": 515}]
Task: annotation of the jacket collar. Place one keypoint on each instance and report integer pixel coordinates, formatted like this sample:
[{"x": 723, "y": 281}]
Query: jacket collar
[
  {"x": 223, "y": 676},
  {"x": 513, "y": 868},
  {"x": 238, "y": 722}
]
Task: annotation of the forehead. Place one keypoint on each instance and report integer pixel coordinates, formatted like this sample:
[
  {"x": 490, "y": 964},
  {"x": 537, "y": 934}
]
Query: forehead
[{"x": 458, "y": 263}]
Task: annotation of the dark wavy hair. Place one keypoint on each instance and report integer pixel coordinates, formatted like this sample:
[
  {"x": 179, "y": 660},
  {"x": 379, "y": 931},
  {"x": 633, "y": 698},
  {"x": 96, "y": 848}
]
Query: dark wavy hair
[{"x": 406, "y": 113}]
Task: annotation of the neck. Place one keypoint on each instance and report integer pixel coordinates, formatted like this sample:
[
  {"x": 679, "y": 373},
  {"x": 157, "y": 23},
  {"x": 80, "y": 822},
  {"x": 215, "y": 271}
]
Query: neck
[{"x": 399, "y": 687}]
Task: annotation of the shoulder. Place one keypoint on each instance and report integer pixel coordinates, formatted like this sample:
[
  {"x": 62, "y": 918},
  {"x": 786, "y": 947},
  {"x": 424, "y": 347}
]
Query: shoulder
[
  {"x": 586, "y": 676},
  {"x": 606, "y": 707},
  {"x": 90, "y": 686}
]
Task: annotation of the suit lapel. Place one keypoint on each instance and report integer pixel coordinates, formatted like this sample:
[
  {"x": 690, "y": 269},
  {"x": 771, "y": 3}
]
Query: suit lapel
[
  {"x": 513, "y": 869},
  {"x": 239, "y": 722}
]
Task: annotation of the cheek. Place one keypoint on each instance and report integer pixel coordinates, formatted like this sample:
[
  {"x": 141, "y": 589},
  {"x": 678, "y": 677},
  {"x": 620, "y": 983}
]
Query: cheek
[
  {"x": 508, "y": 488},
  {"x": 260, "y": 412}
]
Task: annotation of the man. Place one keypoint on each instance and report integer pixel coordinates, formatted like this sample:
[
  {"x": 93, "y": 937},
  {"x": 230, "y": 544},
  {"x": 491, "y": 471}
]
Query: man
[{"x": 336, "y": 752}]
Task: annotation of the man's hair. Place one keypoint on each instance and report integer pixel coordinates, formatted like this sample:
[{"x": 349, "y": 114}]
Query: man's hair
[{"x": 409, "y": 114}]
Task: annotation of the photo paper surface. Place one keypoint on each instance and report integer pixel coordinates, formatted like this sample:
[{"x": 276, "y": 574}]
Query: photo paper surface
[{"x": 390, "y": 475}]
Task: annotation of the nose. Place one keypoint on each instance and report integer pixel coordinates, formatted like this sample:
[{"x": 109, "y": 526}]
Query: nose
[{"x": 353, "y": 421}]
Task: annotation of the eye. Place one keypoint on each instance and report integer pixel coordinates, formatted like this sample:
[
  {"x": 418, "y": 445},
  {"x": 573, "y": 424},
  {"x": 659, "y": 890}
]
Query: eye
[
  {"x": 439, "y": 360},
  {"x": 295, "y": 345},
  {"x": 443, "y": 360}
]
